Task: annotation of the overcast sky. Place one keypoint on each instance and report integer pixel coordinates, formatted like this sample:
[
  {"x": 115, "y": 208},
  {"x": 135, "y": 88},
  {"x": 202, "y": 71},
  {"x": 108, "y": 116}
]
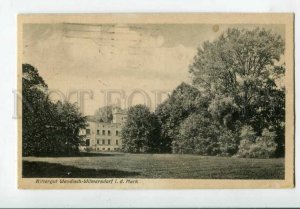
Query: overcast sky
[{"x": 103, "y": 57}]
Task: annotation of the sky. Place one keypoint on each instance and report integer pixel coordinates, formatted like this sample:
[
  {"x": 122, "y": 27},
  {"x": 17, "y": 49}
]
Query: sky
[{"x": 134, "y": 64}]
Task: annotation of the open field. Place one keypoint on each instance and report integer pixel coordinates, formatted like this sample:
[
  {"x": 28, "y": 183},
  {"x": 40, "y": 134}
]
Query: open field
[{"x": 105, "y": 165}]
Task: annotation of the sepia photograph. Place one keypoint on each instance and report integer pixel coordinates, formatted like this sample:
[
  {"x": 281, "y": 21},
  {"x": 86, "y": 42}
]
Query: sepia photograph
[{"x": 140, "y": 101}]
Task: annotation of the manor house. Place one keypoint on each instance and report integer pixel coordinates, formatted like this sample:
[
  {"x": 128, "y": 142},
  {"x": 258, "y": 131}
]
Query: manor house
[{"x": 100, "y": 136}]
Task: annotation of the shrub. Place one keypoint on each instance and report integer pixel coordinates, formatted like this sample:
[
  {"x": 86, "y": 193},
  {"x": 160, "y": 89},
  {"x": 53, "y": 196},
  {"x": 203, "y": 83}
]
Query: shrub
[
  {"x": 228, "y": 142},
  {"x": 244, "y": 148},
  {"x": 247, "y": 133},
  {"x": 263, "y": 146},
  {"x": 194, "y": 140},
  {"x": 198, "y": 134}
]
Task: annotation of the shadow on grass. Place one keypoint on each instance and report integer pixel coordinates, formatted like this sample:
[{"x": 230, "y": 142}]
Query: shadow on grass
[
  {"x": 81, "y": 154},
  {"x": 54, "y": 170},
  {"x": 96, "y": 154}
]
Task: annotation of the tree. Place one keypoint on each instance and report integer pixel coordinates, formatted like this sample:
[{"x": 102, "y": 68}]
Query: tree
[
  {"x": 183, "y": 101},
  {"x": 224, "y": 110},
  {"x": 104, "y": 114},
  {"x": 34, "y": 110},
  {"x": 252, "y": 146},
  {"x": 47, "y": 128},
  {"x": 141, "y": 131},
  {"x": 270, "y": 114},
  {"x": 265, "y": 145},
  {"x": 68, "y": 124},
  {"x": 228, "y": 142},
  {"x": 243, "y": 67},
  {"x": 199, "y": 134}
]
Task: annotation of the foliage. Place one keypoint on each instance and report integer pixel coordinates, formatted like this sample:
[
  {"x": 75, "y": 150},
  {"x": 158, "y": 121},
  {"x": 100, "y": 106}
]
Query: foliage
[
  {"x": 104, "y": 114},
  {"x": 48, "y": 128},
  {"x": 247, "y": 133},
  {"x": 262, "y": 147},
  {"x": 228, "y": 142},
  {"x": 66, "y": 127},
  {"x": 34, "y": 103},
  {"x": 265, "y": 145},
  {"x": 198, "y": 134},
  {"x": 241, "y": 73},
  {"x": 244, "y": 148},
  {"x": 236, "y": 106},
  {"x": 224, "y": 110},
  {"x": 183, "y": 101},
  {"x": 141, "y": 131},
  {"x": 194, "y": 140},
  {"x": 270, "y": 114}
]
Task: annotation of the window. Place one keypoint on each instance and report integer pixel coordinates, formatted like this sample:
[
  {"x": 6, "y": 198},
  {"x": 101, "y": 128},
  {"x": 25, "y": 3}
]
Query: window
[
  {"x": 117, "y": 133},
  {"x": 108, "y": 141},
  {"x": 108, "y": 132},
  {"x": 88, "y": 131},
  {"x": 108, "y": 149},
  {"x": 115, "y": 149},
  {"x": 103, "y": 148},
  {"x": 98, "y": 141},
  {"x": 117, "y": 142},
  {"x": 87, "y": 142},
  {"x": 103, "y": 141},
  {"x": 97, "y": 149},
  {"x": 103, "y": 132},
  {"x": 98, "y": 132}
]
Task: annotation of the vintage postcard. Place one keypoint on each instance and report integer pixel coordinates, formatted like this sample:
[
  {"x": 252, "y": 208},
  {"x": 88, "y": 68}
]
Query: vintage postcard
[{"x": 155, "y": 101}]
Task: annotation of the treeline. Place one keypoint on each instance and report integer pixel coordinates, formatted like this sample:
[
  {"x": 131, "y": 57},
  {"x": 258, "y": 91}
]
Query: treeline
[
  {"x": 48, "y": 128},
  {"x": 235, "y": 106}
]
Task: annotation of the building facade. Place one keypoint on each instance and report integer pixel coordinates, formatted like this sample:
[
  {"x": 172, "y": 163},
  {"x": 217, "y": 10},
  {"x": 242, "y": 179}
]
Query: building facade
[{"x": 100, "y": 136}]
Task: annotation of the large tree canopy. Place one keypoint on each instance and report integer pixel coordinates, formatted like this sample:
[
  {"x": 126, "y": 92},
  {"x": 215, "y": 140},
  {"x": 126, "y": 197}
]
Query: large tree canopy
[
  {"x": 239, "y": 64},
  {"x": 183, "y": 101},
  {"x": 48, "y": 128},
  {"x": 141, "y": 131},
  {"x": 34, "y": 116},
  {"x": 241, "y": 73},
  {"x": 237, "y": 61}
]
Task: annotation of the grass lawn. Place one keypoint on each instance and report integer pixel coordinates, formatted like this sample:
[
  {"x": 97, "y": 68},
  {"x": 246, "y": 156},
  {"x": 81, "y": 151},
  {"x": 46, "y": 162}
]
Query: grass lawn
[{"x": 106, "y": 165}]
